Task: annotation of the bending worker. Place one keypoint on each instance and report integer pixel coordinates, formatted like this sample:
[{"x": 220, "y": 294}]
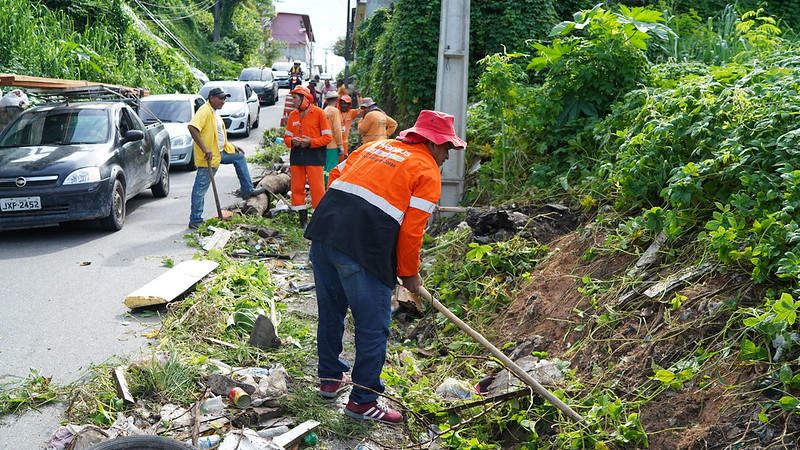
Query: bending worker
[
  {"x": 375, "y": 124},
  {"x": 366, "y": 231},
  {"x": 307, "y": 135}
]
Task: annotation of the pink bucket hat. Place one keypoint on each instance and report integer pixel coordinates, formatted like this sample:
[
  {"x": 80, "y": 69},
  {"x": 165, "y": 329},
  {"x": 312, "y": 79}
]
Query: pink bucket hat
[{"x": 436, "y": 127}]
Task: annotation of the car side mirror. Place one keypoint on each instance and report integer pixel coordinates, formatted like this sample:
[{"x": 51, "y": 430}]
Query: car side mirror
[{"x": 134, "y": 135}]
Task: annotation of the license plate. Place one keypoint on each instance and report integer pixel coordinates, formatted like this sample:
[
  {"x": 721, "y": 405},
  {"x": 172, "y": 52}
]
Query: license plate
[{"x": 20, "y": 203}]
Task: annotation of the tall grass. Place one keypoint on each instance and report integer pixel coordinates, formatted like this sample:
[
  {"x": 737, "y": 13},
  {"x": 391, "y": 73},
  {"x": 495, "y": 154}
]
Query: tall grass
[{"x": 37, "y": 41}]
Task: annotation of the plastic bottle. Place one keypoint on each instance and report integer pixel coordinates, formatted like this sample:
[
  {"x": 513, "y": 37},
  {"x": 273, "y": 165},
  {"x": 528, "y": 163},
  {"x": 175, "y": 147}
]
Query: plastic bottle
[
  {"x": 310, "y": 439},
  {"x": 213, "y": 405},
  {"x": 206, "y": 441}
]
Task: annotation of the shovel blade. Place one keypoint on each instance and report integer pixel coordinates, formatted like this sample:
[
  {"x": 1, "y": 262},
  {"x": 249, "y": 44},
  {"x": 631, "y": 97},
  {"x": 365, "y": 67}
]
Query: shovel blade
[{"x": 263, "y": 335}]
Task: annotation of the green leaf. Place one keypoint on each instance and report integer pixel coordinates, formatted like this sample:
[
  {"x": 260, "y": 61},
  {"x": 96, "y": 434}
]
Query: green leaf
[{"x": 665, "y": 376}]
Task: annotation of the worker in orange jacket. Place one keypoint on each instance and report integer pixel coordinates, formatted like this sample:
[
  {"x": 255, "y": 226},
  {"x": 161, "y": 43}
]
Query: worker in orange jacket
[
  {"x": 375, "y": 124},
  {"x": 335, "y": 147},
  {"x": 348, "y": 115},
  {"x": 367, "y": 231},
  {"x": 307, "y": 135}
]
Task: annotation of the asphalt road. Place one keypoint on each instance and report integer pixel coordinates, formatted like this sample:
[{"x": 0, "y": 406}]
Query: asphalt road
[{"x": 62, "y": 289}]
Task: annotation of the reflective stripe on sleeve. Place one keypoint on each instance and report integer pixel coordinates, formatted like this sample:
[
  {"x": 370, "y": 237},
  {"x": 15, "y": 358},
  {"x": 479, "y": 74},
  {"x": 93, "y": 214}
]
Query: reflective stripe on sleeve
[
  {"x": 325, "y": 132},
  {"x": 422, "y": 204},
  {"x": 370, "y": 197},
  {"x": 341, "y": 165},
  {"x": 289, "y": 133}
]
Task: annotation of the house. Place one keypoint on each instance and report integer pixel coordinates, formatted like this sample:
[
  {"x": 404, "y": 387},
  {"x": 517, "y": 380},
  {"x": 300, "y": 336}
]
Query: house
[{"x": 295, "y": 31}]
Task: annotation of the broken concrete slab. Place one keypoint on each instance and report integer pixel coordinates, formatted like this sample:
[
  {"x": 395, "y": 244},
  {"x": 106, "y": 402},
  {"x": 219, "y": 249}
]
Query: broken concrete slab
[{"x": 167, "y": 287}]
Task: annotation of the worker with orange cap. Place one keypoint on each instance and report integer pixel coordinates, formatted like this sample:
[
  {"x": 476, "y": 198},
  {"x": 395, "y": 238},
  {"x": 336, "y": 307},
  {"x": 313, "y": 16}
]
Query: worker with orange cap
[
  {"x": 348, "y": 115},
  {"x": 307, "y": 135}
]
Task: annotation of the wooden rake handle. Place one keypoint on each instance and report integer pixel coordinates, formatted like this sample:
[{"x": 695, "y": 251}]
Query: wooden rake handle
[{"x": 511, "y": 365}]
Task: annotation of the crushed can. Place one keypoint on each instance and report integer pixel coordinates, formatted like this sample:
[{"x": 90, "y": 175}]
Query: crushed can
[{"x": 240, "y": 398}]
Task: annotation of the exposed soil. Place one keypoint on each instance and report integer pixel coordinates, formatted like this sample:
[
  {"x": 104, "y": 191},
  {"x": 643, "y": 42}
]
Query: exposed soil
[{"x": 547, "y": 311}]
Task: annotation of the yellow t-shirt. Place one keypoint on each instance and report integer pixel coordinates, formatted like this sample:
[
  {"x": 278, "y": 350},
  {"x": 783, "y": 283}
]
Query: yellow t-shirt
[{"x": 206, "y": 122}]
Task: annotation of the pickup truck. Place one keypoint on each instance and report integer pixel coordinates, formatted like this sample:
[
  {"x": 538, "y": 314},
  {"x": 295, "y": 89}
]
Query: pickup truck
[{"x": 70, "y": 161}]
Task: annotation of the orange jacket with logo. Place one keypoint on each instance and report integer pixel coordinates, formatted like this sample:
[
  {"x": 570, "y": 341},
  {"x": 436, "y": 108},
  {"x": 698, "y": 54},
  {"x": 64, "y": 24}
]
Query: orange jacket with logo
[
  {"x": 376, "y": 125},
  {"x": 377, "y": 207},
  {"x": 312, "y": 124}
]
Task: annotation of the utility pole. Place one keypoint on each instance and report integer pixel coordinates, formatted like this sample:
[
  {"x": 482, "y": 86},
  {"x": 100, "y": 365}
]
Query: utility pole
[
  {"x": 451, "y": 89},
  {"x": 217, "y": 19},
  {"x": 347, "y": 47}
]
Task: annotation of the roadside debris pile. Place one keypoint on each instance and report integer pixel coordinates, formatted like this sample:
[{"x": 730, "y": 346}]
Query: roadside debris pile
[{"x": 239, "y": 410}]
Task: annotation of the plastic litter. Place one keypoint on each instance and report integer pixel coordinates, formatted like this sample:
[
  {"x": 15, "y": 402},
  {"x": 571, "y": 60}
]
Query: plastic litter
[
  {"x": 213, "y": 405},
  {"x": 272, "y": 432},
  {"x": 454, "y": 389}
]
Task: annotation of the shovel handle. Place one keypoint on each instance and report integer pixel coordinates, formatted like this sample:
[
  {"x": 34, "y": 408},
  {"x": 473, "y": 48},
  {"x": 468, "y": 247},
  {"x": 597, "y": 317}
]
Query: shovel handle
[
  {"x": 216, "y": 196},
  {"x": 511, "y": 365}
]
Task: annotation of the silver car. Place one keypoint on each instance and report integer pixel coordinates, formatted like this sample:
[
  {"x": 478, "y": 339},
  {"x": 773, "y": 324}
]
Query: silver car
[
  {"x": 241, "y": 111},
  {"x": 175, "y": 111}
]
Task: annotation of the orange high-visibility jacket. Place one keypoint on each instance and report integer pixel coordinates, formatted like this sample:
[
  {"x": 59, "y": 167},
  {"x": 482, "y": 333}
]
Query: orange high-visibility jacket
[
  {"x": 312, "y": 124},
  {"x": 347, "y": 122},
  {"x": 376, "y": 210},
  {"x": 376, "y": 125},
  {"x": 335, "y": 121}
]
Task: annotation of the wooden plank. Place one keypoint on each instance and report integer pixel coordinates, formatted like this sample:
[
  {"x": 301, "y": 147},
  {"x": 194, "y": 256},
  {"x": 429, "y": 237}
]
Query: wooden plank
[
  {"x": 170, "y": 285},
  {"x": 121, "y": 384},
  {"x": 296, "y": 434},
  {"x": 25, "y": 81}
]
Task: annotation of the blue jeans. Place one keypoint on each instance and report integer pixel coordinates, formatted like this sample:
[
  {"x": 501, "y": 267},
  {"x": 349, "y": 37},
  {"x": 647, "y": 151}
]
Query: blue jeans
[
  {"x": 239, "y": 162},
  {"x": 202, "y": 180},
  {"x": 341, "y": 282}
]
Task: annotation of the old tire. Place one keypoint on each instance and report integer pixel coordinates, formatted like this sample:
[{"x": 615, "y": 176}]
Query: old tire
[
  {"x": 258, "y": 118},
  {"x": 116, "y": 218},
  {"x": 142, "y": 443},
  {"x": 161, "y": 188}
]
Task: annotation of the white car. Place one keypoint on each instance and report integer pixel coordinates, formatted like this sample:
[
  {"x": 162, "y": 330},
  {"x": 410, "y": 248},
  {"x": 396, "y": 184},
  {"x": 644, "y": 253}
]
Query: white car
[
  {"x": 175, "y": 111},
  {"x": 241, "y": 110}
]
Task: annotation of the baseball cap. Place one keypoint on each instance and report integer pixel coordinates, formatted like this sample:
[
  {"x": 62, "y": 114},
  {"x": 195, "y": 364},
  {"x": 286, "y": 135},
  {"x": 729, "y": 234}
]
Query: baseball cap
[{"x": 218, "y": 92}]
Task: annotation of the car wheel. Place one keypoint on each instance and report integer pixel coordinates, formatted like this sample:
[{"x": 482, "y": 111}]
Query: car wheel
[
  {"x": 258, "y": 118},
  {"x": 161, "y": 188},
  {"x": 247, "y": 127},
  {"x": 116, "y": 218},
  {"x": 142, "y": 443},
  {"x": 191, "y": 167}
]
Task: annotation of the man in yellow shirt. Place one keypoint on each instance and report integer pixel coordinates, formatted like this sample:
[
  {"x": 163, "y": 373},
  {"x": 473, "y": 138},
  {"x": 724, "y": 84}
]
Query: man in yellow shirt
[
  {"x": 211, "y": 147},
  {"x": 375, "y": 125}
]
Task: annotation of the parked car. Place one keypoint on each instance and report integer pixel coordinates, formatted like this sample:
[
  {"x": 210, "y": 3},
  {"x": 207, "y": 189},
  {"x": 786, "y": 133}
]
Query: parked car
[
  {"x": 175, "y": 111},
  {"x": 63, "y": 162},
  {"x": 263, "y": 82},
  {"x": 325, "y": 76},
  {"x": 241, "y": 111}
]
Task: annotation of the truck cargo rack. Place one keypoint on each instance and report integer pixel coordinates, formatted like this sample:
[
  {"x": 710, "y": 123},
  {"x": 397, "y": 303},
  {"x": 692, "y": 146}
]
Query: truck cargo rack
[{"x": 54, "y": 90}]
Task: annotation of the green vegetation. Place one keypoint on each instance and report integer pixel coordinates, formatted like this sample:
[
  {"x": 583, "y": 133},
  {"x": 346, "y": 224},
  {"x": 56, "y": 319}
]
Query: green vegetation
[{"x": 109, "y": 41}]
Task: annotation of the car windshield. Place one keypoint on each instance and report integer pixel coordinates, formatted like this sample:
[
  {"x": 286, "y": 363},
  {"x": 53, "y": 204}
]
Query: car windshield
[
  {"x": 58, "y": 127},
  {"x": 250, "y": 74},
  {"x": 167, "y": 111},
  {"x": 237, "y": 92},
  {"x": 285, "y": 66}
]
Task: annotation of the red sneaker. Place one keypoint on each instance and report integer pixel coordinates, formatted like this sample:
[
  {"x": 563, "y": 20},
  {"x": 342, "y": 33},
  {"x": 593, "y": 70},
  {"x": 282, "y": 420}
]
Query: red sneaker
[
  {"x": 332, "y": 390},
  {"x": 373, "y": 411}
]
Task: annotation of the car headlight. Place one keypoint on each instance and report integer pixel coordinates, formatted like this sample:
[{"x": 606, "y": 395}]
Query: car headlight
[
  {"x": 238, "y": 115},
  {"x": 85, "y": 175},
  {"x": 181, "y": 141}
]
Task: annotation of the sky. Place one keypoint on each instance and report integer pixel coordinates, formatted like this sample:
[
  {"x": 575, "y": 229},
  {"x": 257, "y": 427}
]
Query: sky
[{"x": 328, "y": 21}]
